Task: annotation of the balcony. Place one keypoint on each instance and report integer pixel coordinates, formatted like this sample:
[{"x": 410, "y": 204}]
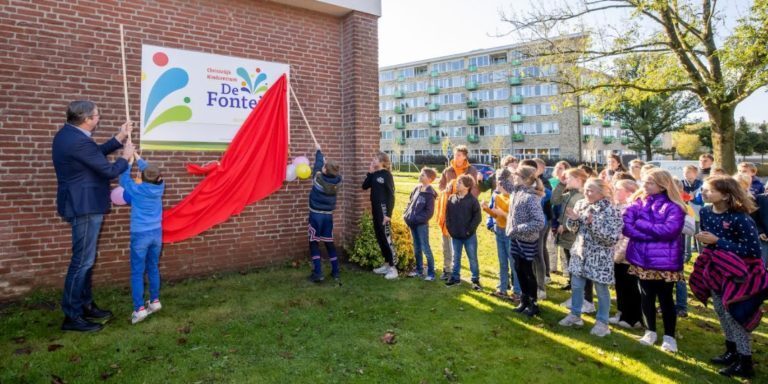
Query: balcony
[
  {"x": 472, "y": 68},
  {"x": 434, "y": 107},
  {"x": 586, "y": 138},
  {"x": 399, "y": 94},
  {"x": 400, "y": 140},
  {"x": 516, "y": 99},
  {"x": 473, "y": 120},
  {"x": 586, "y": 121},
  {"x": 607, "y": 140},
  {"x": 401, "y": 78},
  {"x": 474, "y": 139},
  {"x": 607, "y": 123},
  {"x": 434, "y": 139},
  {"x": 433, "y": 90},
  {"x": 516, "y": 63},
  {"x": 433, "y": 74},
  {"x": 471, "y": 85},
  {"x": 400, "y": 109},
  {"x": 472, "y": 103},
  {"x": 434, "y": 123},
  {"x": 518, "y": 137},
  {"x": 516, "y": 118},
  {"x": 399, "y": 124},
  {"x": 515, "y": 80}
]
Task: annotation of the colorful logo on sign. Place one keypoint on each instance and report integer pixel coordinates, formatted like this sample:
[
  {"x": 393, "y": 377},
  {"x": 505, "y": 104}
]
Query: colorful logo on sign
[
  {"x": 167, "y": 83},
  {"x": 250, "y": 83}
]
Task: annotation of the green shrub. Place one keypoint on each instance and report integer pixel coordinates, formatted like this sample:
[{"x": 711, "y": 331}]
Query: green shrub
[{"x": 365, "y": 249}]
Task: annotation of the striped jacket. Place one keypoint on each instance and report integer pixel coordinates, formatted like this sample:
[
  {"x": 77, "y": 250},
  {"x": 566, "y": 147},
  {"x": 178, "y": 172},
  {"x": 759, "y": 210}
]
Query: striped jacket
[{"x": 737, "y": 280}]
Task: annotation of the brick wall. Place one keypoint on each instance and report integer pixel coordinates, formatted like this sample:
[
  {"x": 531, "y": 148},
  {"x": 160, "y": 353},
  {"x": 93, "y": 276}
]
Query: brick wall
[{"x": 53, "y": 52}]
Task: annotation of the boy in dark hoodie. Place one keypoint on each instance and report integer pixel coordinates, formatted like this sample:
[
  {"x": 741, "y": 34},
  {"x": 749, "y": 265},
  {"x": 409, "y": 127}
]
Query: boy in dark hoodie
[
  {"x": 146, "y": 199},
  {"x": 420, "y": 209},
  {"x": 322, "y": 203},
  {"x": 462, "y": 216}
]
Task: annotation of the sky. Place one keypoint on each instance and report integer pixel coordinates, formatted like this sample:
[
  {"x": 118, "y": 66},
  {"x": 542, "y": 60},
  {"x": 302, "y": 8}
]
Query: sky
[{"x": 411, "y": 30}]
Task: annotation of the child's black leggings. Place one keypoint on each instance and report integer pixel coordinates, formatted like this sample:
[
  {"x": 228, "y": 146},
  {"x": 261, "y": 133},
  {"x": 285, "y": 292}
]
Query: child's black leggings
[
  {"x": 384, "y": 236},
  {"x": 649, "y": 290}
]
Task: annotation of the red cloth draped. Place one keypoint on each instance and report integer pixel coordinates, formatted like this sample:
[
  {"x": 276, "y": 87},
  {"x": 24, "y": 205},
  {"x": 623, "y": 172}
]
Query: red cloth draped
[{"x": 252, "y": 168}]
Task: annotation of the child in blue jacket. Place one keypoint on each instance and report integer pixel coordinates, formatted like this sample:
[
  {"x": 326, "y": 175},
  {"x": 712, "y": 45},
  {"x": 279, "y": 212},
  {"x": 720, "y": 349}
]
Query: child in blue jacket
[
  {"x": 146, "y": 199},
  {"x": 322, "y": 203},
  {"x": 419, "y": 211}
]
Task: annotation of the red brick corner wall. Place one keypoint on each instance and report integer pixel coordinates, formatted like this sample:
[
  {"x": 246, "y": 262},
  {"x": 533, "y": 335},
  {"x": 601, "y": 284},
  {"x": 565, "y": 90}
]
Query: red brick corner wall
[{"x": 54, "y": 52}]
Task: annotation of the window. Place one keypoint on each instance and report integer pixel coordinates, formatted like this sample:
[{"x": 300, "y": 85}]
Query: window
[
  {"x": 386, "y": 76},
  {"x": 539, "y": 128},
  {"x": 498, "y": 130},
  {"x": 533, "y": 109},
  {"x": 499, "y": 58},
  {"x": 416, "y": 133},
  {"x": 499, "y": 76},
  {"x": 407, "y": 73},
  {"x": 448, "y": 66},
  {"x": 481, "y": 78},
  {"x": 480, "y": 61},
  {"x": 544, "y": 153},
  {"x": 420, "y": 70},
  {"x": 545, "y": 89},
  {"x": 386, "y": 135}
]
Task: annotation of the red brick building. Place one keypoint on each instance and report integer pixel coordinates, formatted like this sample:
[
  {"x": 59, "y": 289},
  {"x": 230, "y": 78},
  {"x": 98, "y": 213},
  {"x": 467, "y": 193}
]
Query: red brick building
[{"x": 53, "y": 52}]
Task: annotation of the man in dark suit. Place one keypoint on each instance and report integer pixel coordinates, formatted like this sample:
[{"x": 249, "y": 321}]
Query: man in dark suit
[{"x": 83, "y": 174}]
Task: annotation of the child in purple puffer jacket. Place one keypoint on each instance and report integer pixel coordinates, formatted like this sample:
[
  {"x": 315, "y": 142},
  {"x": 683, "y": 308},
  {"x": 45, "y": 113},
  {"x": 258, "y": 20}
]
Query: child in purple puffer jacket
[{"x": 653, "y": 223}]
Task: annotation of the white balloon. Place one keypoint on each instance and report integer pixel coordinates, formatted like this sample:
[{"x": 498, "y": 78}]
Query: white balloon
[{"x": 290, "y": 172}]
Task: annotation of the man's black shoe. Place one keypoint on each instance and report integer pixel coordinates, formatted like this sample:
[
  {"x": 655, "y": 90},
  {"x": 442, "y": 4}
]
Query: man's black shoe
[
  {"x": 80, "y": 324},
  {"x": 92, "y": 312}
]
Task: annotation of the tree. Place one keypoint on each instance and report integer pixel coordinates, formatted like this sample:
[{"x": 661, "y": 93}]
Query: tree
[
  {"x": 704, "y": 131},
  {"x": 761, "y": 146},
  {"x": 745, "y": 139},
  {"x": 686, "y": 39},
  {"x": 649, "y": 118},
  {"x": 687, "y": 144},
  {"x": 497, "y": 147}
]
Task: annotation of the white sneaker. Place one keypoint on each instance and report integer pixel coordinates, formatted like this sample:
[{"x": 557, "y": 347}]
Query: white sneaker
[
  {"x": 649, "y": 338},
  {"x": 541, "y": 295},
  {"x": 413, "y": 274},
  {"x": 381, "y": 270},
  {"x": 547, "y": 280},
  {"x": 566, "y": 303},
  {"x": 587, "y": 307},
  {"x": 600, "y": 329},
  {"x": 429, "y": 278},
  {"x": 626, "y": 325},
  {"x": 391, "y": 273},
  {"x": 615, "y": 319},
  {"x": 669, "y": 344},
  {"x": 571, "y": 320},
  {"x": 153, "y": 307},
  {"x": 139, "y": 315}
]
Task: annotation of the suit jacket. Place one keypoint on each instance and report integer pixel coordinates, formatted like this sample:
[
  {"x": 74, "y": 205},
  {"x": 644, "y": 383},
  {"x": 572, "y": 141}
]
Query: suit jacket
[{"x": 83, "y": 172}]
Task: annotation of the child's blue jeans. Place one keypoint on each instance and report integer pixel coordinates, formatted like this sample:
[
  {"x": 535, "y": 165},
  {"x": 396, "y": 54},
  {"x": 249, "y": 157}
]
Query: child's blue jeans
[
  {"x": 420, "y": 234},
  {"x": 470, "y": 244},
  {"x": 506, "y": 262},
  {"x": 145, "y": 256}
]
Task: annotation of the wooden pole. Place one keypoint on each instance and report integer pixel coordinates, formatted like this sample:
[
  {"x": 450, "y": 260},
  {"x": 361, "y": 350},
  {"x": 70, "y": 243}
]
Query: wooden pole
[
  {"x": 125, "y": 76},
  {"x": 304, "y": 116}
]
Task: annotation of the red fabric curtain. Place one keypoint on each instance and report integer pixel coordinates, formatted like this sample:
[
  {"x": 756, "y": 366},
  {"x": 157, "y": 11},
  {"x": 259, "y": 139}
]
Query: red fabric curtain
[{"x": 252, "y": 168}]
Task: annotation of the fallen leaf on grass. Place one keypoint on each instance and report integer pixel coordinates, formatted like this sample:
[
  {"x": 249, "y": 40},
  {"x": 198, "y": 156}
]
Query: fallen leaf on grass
[
  {"x": 53, "y": 347},
  {"x": 57, "y": 380},
  {"x": 216, "y": 354},
  {"x": 286, "y": 355},
  {"x": 450, "y": 376},
  {"x": 23, "y": 351},
  {"x": 388, "y": 338},
  {"x": 185, "y": 329},
  {"x": 181, "y": 341},
  {"x": 106, "y": 375},
  {"x": 19, "y": 340},
  {"x": 74, "y": 359}
]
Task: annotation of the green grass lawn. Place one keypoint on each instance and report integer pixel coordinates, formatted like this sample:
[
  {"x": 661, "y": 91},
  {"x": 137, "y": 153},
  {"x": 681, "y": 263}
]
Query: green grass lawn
[{"x": 272, "y": 326}]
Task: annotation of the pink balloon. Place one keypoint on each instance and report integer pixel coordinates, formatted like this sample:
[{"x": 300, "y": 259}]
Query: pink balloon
[
  {"x": 300, "y": 160},
  {"x": 117, "y": 196}
]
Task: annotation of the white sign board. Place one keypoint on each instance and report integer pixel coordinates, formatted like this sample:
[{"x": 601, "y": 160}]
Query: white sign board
[{"x": 198, "y": 101}]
